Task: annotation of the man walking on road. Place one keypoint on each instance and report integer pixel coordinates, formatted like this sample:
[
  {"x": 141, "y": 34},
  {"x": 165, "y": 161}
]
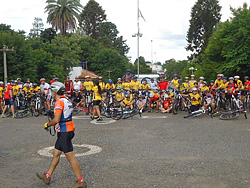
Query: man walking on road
[{"x": 65, "y": 132}]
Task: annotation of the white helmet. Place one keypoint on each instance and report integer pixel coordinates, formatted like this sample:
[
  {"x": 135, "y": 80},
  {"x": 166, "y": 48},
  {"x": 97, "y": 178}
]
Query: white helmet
[
  {"x": 236, "y": 77},
  {"x": 151, "y": 95},
  {"x": 192, "y": 75},
  {"x": 58, "y": 87},
  {"x": 166, "y": 96},
  {"x": 201, "y": 78},
  {"x": 1, "y": 82},
  {"x": 231, "y": 78},
  {"x": 194, "y": 89}
]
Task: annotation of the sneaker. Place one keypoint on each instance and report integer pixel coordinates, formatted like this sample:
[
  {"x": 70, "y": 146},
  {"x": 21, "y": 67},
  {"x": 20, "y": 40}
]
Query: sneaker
[
  {"x": 99, "y": 119},
  {"x": 91, "y": 117},
  {"x": 3, "y": 116},
  {"x": 44, "y": 178},
  {"x": 77, "y": 184}
]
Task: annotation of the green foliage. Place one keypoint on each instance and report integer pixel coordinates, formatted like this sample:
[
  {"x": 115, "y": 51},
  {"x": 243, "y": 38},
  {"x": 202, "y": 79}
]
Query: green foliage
[
  {"x": 228, "y": 51},
  {"x": 91, "y": 18},
  {"x": 174, "y": 67},
  {"x": 62, "y": 14},
  {"x": 37, "y": 28},
  {"x": 47, "y": 35},
  {"x": 144, "y": 68},
  {"x": 109, "y": 59},
  {"x": 198, "y": 73},
  {"x": 205, "y": 15}
]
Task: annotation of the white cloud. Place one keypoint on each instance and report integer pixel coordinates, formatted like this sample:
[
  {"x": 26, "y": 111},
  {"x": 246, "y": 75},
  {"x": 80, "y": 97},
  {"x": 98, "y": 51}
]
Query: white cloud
[{"x": 167, "y": 22}]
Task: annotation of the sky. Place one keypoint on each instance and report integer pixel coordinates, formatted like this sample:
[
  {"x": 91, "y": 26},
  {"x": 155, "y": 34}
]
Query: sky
[{"x": 164, "y": 31}]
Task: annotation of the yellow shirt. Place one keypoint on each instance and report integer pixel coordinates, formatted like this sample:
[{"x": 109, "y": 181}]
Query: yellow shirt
[
  {"x": 180, "y": 87},
  {"x": 224, "y": 85},
  {"x": 1, "y": 92},
  {"x": 96, "y": 95},
  {"x": 118, "y": 96},
  {"x": 175, "y": 82},
  {"x": 187, "y": 85},
  {"x": 204, "y": 88},
  {"x": 218, "y": 82},
  {"x": 171, "y": 96},
  {"x": 28, "y": 91},
  {"x": 16, "y": 89},
  {"x": 135, "y": 85},
  {"x": 108, "y": 86},
  {"x": 195, "y": 98},
  {"x": 88, "y": 85},
  {"x": 102, "y": 85},
  {"x": 126, "y": 101},
  {"x": 240, "y": 84},
  {"x": 145, "y": 86},
  {"x": 126, "y": 85},
  {"x": 192, "y": 83},
  {"x": 37, "y": 89}
]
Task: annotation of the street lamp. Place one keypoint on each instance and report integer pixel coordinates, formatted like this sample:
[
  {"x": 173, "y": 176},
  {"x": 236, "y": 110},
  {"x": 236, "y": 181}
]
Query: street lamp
[{"x": 193, "y": 69}]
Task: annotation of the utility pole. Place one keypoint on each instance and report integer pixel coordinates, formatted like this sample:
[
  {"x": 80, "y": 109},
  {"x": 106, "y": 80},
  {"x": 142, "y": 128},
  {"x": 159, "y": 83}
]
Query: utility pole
[
  {"x": 5, "y": 49},
  {"x": 86, "y": 68},
  {"x": 109, "y": 71}
]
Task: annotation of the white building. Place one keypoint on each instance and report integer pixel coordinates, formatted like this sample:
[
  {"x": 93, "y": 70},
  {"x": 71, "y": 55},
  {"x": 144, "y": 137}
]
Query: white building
[{"x": 157, "y": 68}]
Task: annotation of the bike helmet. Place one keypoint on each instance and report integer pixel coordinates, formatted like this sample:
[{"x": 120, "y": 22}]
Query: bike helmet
[
  {"x": 118, "y": 88},
  {"x": 128, "y": 70},
  {"x": 192, "y": 75},
  {"x": 28, "y": 79},
  {"x": 110, "y": 81},
  {"x": 56, "y": 78},
  {"x": 151, "y": 95},
  {"x": 224, "y": 78},
  {"x": 35, "y": 84},
  {"x": 194, "y": 89},
  {"x": 42, "y": 80},
  {"x": 220, "y": 75},
  {"x": 211, "y": 81},
  {"x": 202, "y": 78},
  {"x": 127, "y": 96},
  {"x": 207, "y": 91},
  {"x": 58, "y": 87},
  {"x": 231, "y": 78},
  {"x": 236, "y": 77},
  {"x": 180, "y": 81},
  {"x": 175, "y": 75},
  {"x": 142, "y": 96},
  {"x": 135, "y": 77},
  {"x": 12, "y": 81},
  {"x": 166, "y": 96},
  {"x": 119, "y": 79},
  {"x": 153, "y": 88},
  {"x": 53, "y": 76},
  {"x": 246, "y": 77},
  {"x": 196, "y": 83},
  {"x": 100, "y": 77},
  {"x": 1, "y": 82},
  {"x": 186, "y": 78},
  {"x": 19, "y": 79},
  {"x": 67, "y": 76},
  {"x": 167, "y": 90},
  {"x": 163, "y": 91},
  {"x": 204, "y": 82}
]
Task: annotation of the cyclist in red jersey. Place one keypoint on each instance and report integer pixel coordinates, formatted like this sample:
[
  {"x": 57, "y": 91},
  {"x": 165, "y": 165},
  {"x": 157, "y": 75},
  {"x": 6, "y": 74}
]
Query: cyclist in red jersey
[
  {"x": 8, "y": 99},
  {"x": 247, "y": 83},
  {"x": 65, "y": 128},
  {"x": 212, "y": 88},
  {"x": 53, "y": 79},
  {"x": 162, "y": 84},
  {"x": 231, "y": 89},
  {"x": 68, "y": 85}
]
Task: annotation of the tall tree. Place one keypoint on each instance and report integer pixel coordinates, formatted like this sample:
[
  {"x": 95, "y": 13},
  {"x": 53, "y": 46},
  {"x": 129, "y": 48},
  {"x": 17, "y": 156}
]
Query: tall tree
[
  {"x": 144, "y": 68},
  {"x": 37, "y": 27},
  {"x": 91, "y": 18},
  {"x": 205, "y": 15},
  {"x": 62, "y": 14}
]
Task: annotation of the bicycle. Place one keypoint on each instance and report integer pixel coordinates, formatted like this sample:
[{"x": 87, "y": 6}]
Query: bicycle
[
  {"x": 200, "y": 112},
  {"x": 28, "y": 109},
  {"x": 233, "y": 114}
]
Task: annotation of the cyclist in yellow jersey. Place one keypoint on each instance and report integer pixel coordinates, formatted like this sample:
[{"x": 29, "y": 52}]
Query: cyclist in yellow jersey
[
  {"x": 110, "y": 85},
  {"x": 218, "y": 81},
  {"x": 28, "y": 91},
  {"x": 127, "y": 102},
  {"x": 119, "y": 95},
  {"x": 101, "y": 83},
  {"x": 186, "y": 83},
  {"x": 174, "y": 82},
  {"x": 204, "y": 88},
  {"x": 240, "y": 86},
  {"x": 97, "y": 97},
  {"x": 135, "y": 84},
  {"x": 1, "y": 95},
  {"x": 195, "y": 98},
  {"x": 126, "y": 85},
  {"x": 180, "y": 86},
  {"x": 88, "y": 84},
  {"x": 192, "y": 81},
  {"x": 144, "y": 85},
  {"x": 36, "y": 88},
  {"x": 16, "y": 89}
]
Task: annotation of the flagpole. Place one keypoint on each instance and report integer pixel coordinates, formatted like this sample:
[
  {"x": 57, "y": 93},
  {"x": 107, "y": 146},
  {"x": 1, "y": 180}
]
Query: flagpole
[{"x": 138, "y": 37}]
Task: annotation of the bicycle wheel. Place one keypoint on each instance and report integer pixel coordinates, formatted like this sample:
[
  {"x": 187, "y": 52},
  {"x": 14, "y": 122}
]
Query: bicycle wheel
[
  {"x": 176, "y": 106},
  {"x": 8, "y": 114},
  {"x": 90, "y": 108},
  {"x": 116, "y": 111},
  {"x": 229, "y": 115},
  {"x": 22, "y": 113},
  {"x": 76, "y": 111},
  {"x": 37, "y": 109},
  {"x": 193, "y": 114}
]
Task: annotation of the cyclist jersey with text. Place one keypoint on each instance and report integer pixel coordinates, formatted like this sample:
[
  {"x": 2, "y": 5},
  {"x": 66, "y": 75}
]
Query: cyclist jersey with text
[
  {"x": 16, "y": 90},
  {"x": 88, "y": 85},
  {"x": 108, "y": 86},
  {"x": 218, "y": 82},
  {"x": 166, "y": 104},
  {"x": 224, "y": 85},
  {"x": 28, "y": 92},
  {"x": 231, "y": 88},
  {"x": 37, "y": 89},
  {"x": 192, "y": 83},
  {"x": 64, "y": 107},
  {"x": 135, "y": 85},
  {"x": 102, "y": 85},
  {"x": 247, "y": 85},
  {"x": 175, "y": 82},
  {"x": 126, "y": 85},
  {"x": 186, "y": 85},
  {"x": 240, "y": 84},
  {"x": 144, "y": 86},
  {"x": 163, "y": 85},
  {"x": 195, "y": 99},
  {"x": 1, "y": 92},
  {"x": 118, "y": 96}
]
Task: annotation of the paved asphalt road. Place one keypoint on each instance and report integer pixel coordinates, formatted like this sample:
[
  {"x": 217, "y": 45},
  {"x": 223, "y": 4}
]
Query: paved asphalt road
[{"x": 154, "y": 151}]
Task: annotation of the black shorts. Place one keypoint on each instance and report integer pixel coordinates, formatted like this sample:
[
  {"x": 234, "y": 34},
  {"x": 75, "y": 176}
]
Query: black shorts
[
  {"x": 63, "y": 142},
  {"x": 194, "y": 108},
  {"x": 96, "y": 102},
  {"x": 9, "y": 102}
]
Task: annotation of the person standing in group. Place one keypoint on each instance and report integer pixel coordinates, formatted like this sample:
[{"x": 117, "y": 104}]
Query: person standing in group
[
  {"x": 97, "y": 97},
  {"x": 162, "y": 84},
  {"x": 65, "y": 128},
  {"x": 69, "y": 86},
  {"x": 45, "y": 88},
  {"x": 101, "y": 83},
  {"x": 128, "y": 74},
  {"x": 192, "y": 81},
  {"x": 77, "y": 83},
  {"x": 53, "y": 79},
  {"x": 1, "y": 94},
  {"x": 126, "y": 85},
  {"x": 135, "y": 84},
  {"x": 152, "y": 83},
  {"x": 8, "y": 99}
]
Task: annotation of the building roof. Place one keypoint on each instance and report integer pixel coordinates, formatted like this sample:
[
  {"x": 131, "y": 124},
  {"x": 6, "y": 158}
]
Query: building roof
[{"x": 88, "y": 73}]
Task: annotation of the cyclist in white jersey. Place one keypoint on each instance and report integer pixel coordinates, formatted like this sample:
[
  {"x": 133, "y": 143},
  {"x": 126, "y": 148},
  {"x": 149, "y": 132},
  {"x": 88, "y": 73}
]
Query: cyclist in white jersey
[
  {"x": 77, "y": 84},
  {"x": 47, "y": 92},
  {"x": 152, "y": 83}
]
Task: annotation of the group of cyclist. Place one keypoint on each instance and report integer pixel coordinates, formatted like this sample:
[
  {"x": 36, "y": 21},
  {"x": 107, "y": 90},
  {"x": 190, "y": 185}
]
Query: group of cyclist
[{"x": 155, "y": 95}]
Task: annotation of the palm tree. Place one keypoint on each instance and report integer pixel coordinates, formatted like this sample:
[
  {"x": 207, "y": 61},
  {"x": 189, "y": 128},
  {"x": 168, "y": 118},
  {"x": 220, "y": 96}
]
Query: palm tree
[{"x": 62, "y": 14}]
